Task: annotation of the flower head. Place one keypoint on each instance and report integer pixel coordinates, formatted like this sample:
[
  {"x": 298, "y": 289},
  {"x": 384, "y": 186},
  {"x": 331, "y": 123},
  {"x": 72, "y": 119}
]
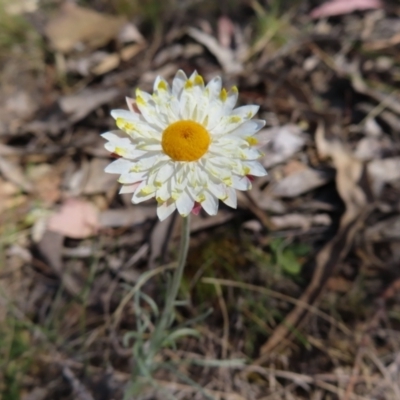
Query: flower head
[{"x": 185, "y": 145}]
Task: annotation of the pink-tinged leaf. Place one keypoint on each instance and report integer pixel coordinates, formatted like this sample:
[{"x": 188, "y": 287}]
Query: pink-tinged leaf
[
  {"x": 76, "y": 219},
  {"x": 339, "y": 7}
]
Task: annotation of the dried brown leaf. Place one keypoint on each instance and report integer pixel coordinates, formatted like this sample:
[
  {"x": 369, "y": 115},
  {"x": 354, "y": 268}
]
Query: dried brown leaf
[{"x": 74, "y": 25}]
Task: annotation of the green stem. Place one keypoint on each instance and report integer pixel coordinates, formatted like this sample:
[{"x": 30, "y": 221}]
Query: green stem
[{"x": 168, "y": 312}]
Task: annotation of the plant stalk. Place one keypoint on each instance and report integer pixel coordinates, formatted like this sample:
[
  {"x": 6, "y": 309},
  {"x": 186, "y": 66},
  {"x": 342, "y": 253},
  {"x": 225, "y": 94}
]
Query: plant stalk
[{"x": 167, "y": 316}]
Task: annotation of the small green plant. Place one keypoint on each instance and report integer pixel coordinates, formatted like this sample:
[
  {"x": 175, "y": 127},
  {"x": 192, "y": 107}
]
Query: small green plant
[
  {"x": 287, "y": 256},
  {"x": 272, "y": 24}
]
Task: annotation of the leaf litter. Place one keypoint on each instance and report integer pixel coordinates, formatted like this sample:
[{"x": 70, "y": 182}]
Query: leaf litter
[{"x": 307, "y": 267}]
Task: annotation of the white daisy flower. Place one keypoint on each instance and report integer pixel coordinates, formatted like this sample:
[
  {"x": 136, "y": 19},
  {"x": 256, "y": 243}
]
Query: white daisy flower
[{"x": 185, "y": 145}]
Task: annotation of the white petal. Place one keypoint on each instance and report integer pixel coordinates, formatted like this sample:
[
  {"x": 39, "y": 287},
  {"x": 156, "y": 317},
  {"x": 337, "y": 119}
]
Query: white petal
[
  {"x": 119, "y": 166},
  {"x": 151, "y": 162},
  {"x": 227, "y": 125},
  {"x": 241, "y": 182},
  {"x": 193, "y": 76},
  {"x": 114, "y": 136},
  {"x": 201, "y": 110},
  {"x": 164, "y": 191},
  {"x": 231, "y": 100},
  {"x": 210, "y": 204},
  {"x": 187, "y": 103},
  {"x": 150, "y": 147},
  {"x": 165, "y": 172},
  {"x": 246, "y": 112},
  {"x": 248, "y": 128},
  {"x": 148, "y": 109},
  {"x": 215, "y": 113},
  {"x": 125, "y": 115},
  {"x": 185, "y": 203},
  {"x": 216, "y": 188},
  {"x": 213, "y": 87},
  {"x": 178, "y": 83},
  {"x": 129, "y": 188},
  {"x": 132, "y": 177},
  {"x": 249, "y": 154},
  {"x": 141, "y": 194},
  {"x": 231, "y": 199},
  {"x": 161, "y": 85},
  {"x": 254, "y": 168},
  {"x": 173, "y": 109},
  {"x": 123, "y": 149},
  {"x": 165, "y": 209}
]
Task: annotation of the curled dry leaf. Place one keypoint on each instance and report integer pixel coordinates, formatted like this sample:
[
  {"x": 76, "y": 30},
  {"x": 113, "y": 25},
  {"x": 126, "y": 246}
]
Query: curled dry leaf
[
  {"x": 225, "y": 56},
  {"x": 113, "y": 60},
  {"x": 76, "y": 219},
  {"x": 280, "y": 143},
  {"x": 301, "y": 182},
  {"x": 383, "y": 171},
  {"x": 339, "y": 7}
]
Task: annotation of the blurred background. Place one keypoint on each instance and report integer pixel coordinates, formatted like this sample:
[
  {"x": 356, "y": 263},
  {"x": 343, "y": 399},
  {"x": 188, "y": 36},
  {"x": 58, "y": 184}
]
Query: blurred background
[{"x": 303, "y": 278}]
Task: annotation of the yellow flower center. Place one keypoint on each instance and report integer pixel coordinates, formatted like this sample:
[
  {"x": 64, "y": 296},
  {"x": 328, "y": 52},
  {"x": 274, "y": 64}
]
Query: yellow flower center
[{"x": 185, "y": 141}]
